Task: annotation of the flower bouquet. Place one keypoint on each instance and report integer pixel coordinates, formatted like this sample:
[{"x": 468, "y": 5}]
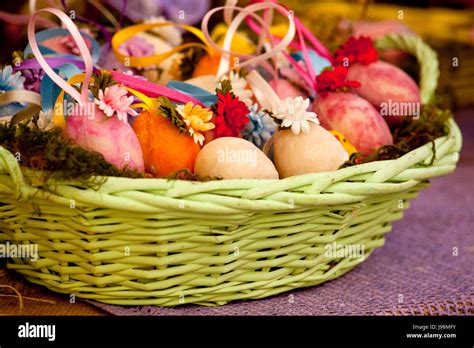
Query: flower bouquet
[{"x": 235, "y": 164}]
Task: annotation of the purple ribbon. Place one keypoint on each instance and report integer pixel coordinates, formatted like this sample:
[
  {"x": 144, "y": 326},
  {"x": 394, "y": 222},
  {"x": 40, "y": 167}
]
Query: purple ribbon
[{"x": 54, "y": 62}]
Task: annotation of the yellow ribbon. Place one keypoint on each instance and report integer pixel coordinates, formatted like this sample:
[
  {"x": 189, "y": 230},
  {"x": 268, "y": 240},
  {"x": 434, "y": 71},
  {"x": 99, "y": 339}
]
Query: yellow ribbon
[
  {"x": 58, "y": 112},
  {"x": 141, "y": 62}
]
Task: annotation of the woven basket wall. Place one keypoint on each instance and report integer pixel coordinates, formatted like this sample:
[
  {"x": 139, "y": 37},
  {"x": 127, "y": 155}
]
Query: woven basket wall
[{"x": 169, "y": 242}]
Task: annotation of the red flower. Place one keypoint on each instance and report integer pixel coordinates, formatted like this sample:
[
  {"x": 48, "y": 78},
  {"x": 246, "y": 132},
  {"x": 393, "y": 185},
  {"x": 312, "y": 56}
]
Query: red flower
[
  {"x": 329, "y": 81},
  {"x": 231, "y": 115},
  {"x": 360, "y": 50}
]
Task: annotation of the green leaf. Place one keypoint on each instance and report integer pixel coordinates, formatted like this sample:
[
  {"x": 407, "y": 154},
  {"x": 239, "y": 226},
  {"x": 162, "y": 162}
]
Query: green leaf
[
  {"x": 102, "y": 80},
  {"x": 168, "y": 110},
  {"x": 225, "y": 87},
  {"x": 26, "y": 114}
]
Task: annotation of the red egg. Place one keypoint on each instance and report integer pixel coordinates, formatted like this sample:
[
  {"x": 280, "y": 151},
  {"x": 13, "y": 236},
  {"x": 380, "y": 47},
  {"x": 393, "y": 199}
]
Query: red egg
[
  {"x": 388, "y": 88},
  {"x": 354, "y": 117}
]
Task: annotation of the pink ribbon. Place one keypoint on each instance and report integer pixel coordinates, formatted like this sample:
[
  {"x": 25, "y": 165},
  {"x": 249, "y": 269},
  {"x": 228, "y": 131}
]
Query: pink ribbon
[
  {"x": 82, "y": 97},
  {"x": 303, "y": 34},
  {"x": 152, "y": 90},
  {"x": 244, "y": 13}
]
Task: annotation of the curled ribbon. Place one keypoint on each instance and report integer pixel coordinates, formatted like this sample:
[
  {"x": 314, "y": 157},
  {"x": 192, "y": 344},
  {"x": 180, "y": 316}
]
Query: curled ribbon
[
  {"x": 145, "y": 61},
  {"x": 81, "y": 97},
  {"x": 307, "y": 51},
  {"x": 58, "y": 32},
  {"x": 233, "y": 26}
]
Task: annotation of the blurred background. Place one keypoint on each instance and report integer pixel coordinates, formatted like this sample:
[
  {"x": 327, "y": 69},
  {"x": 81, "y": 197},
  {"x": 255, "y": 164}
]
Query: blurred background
[{"x": 448, "y": 26}]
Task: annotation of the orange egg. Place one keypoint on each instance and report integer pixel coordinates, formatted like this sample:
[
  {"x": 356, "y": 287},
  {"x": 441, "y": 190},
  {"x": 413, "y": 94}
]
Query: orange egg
[
  {"x": 165, "y": 149},
  {"x": 208, "y": 65}
]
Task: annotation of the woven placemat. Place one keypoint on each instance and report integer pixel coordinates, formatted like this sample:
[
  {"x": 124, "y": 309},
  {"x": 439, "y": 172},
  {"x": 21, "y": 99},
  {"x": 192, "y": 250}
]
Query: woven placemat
[{"x": 37, "y": 300}]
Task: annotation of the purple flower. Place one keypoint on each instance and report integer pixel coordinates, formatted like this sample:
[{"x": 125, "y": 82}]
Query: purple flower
[
  {"x": 33, "y": 79},
  {"x": 137, "y": 46}
]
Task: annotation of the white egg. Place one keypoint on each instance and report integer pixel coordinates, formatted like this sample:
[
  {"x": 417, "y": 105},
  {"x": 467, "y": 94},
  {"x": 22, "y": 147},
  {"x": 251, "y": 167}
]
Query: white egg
[
  {"x": 234, "y": 158},
  {"x": 206, "y": 82},
  {"x": 314, "y": 152}
]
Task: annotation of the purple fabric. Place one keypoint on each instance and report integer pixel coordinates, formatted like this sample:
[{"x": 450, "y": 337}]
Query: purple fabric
[{"x": 416, "y": 272}]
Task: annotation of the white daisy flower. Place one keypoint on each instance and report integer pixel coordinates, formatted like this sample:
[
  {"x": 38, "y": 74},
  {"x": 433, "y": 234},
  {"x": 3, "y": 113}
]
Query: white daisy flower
[
  {"x": 295, "y": 115},
  {"x": 45, "y": 120},
  {"x": 239, "y": 85}
]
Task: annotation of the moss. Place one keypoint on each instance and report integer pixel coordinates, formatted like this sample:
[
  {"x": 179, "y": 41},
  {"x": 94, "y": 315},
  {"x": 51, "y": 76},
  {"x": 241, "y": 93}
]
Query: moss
[
  {"x": 185, "y": 174},
  {"x": 411, "y": 134},
  {"x": 101, "y": 80},
  {"x": 56, "y": 158},
  {"x": 188, "y": 63}
]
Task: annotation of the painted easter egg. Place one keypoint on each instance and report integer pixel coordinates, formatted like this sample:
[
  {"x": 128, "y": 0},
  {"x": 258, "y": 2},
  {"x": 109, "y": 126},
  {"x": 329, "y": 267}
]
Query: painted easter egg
[
  {"x": 387, "y": 87},
  {"x": 165, "y": 149},
  {"x": 354, "y": 117},
  {"x": 207, "y": 65},
  {"x": 312, "y": 152},
  {"x": 284, "y": 89},
  {"x": 111, "y": 137},
  {"x": 234, "y": 158}
]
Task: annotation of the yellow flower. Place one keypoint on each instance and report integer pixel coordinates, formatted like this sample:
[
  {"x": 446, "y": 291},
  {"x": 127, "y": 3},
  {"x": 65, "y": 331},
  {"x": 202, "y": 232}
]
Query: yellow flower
[
  {"x": 240, "y": 42},
  {"x": 197, "y": 120},
  {"x": 350, "y": 149}
]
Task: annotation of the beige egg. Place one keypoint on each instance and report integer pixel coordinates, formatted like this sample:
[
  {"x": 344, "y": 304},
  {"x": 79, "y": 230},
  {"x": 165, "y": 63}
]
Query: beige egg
[
  {"x": 234, "y": 158},
  {"x": 206, "y": 82},
  {"x": 314, "y": 152}
]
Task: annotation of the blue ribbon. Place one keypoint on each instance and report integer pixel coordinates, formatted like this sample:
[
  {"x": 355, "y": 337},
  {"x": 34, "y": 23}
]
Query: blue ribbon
[
  {"x": 49, "y": 90},
  {"x": 200, "y": 94},
  {"x": 318, "y": 62},
  {"x": 51, "y": 33}
]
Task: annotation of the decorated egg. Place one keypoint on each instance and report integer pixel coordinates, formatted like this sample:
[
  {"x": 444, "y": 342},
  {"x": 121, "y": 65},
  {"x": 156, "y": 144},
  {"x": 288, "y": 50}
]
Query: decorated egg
[
  {"x": 388, "y": 88},
  {"x": 312, "y": 152},
  {"x": 206, "y": 82},
  {"x": 208, "y": 65},
  {"x": 111, "y": 137},
  {"x": 284, "y": 89},
  {"x": 166, "y": 150},
  {"x": 234, "y": 158},
  {"x": 354, "y": 117}
]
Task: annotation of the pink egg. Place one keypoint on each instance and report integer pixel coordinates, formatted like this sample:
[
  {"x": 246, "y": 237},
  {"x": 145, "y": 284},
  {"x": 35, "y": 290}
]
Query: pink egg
[
  {"x": 109, "y": 136},
  {"x": 388, "y": 88},
  {"x": 284, "y": 89},
  {"x": 354, "y": 117},
  {"x": 56, "y": 45}
]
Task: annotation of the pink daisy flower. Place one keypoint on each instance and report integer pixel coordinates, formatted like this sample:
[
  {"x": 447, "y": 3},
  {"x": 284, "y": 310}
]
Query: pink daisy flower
[{"x": 114, "y": 100}]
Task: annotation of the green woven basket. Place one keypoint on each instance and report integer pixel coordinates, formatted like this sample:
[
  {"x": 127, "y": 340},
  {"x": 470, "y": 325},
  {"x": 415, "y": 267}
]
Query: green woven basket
[{"x": 170, "y": 242}]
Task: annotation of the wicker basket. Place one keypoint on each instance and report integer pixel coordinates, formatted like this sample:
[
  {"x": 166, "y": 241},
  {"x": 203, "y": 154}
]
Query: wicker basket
[{"x": 168, "y": 242}]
